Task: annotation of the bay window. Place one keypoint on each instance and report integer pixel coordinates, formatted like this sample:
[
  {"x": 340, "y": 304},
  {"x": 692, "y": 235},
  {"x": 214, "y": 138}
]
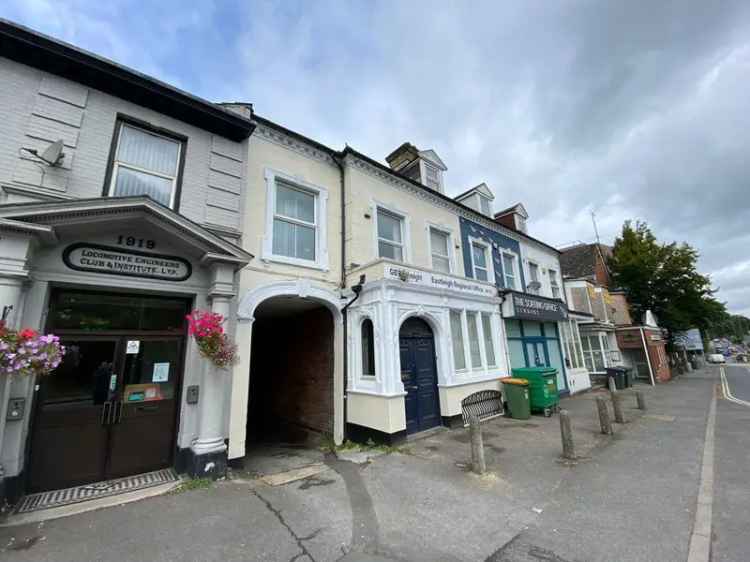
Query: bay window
[
  {"x": 368, "y": 348},
  {"x": 457, "y": 337},
  {"x": 473, "y": 337}
]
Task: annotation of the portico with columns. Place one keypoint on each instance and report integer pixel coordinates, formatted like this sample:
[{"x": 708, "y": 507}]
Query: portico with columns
[{"x": 114, "y": 278}]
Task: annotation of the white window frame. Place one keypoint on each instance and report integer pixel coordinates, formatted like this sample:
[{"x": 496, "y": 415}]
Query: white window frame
[
  {"x": 378, "y": 206},
  {"x": 363, "y": 375},
  {"x": 423, "y": 164},
  {"x": 482, "y": 200},
  {"x": 321, "y": 222},
  {"x": 553, "y": 284},
  {"x": 529, "y": 264},
  {"x": 516, "y": 276},
  {"x": 449, "y": 233},
  {"x": 116, "y": 164},
  {"x": 488, "y": 258},
  {"x": 494, "y": 337}
]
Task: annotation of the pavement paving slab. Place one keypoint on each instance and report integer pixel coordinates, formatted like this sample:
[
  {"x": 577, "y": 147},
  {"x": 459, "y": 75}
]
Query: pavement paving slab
[{"x": 629, "y": 497}]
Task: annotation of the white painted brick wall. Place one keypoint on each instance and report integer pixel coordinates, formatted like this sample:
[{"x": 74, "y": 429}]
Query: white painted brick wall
[{"x": 37, "y": 108}]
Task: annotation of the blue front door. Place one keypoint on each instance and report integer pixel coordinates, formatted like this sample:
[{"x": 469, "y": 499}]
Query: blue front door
[{"x": 419, "y": 375}]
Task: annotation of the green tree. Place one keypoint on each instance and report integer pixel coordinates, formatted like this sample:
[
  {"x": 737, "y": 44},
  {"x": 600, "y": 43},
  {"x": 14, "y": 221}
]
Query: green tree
[{"x": 663, "y": 278}]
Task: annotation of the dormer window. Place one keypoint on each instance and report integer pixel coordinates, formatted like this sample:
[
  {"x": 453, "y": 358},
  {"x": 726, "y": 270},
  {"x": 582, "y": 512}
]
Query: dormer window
[
  {"x": 485, "y": 206},
  {"x": 521, "y": 224},
  {"x": 432, "y": 177}
]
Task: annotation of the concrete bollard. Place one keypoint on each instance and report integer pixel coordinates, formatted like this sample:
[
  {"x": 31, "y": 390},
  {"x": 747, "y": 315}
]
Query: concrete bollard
[
  {"x": 566, "y": 433},
  {"x": 611, "y": 384},
  {"x": 604, "y": 421},
  {"x": 617, "y": 407},
  {"x": 477, "y": 446},
  {"x": 640, "y": 399}
]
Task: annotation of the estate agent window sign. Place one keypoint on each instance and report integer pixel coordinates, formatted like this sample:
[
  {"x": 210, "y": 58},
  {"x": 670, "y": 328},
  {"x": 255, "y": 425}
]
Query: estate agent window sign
[
  {"x": 534, "y": 308},
  {"x": 130, "y": 263}
]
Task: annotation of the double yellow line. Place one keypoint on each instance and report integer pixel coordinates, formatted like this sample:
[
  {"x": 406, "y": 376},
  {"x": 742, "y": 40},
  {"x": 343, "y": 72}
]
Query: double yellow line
[{"x": 728, "y": 393}]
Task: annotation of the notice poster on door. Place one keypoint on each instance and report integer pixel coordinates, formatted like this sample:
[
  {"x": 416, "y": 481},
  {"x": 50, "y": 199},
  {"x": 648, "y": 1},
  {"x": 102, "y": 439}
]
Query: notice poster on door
[
  {"x": 133, "y": 347},
  {"x": 160, "y": 373}
]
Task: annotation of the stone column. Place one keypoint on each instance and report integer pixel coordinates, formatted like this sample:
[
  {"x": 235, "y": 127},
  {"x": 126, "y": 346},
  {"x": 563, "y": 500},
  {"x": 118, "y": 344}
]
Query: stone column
[{"x": 209, "y": 459}]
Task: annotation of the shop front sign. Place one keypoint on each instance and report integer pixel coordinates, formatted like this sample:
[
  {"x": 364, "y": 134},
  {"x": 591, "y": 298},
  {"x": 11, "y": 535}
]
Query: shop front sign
[
  {"x": 437, "y": 281},
  {"x": 528, "y": 307},
  {"x": 131, "y": 263}
]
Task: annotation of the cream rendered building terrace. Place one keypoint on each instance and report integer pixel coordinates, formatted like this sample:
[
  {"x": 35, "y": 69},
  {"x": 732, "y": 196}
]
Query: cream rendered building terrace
[{"x": 387, "y": 347}]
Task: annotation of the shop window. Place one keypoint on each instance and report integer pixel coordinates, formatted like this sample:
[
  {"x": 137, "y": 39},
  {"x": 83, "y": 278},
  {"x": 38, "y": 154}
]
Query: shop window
[
  {"x": 509, "y": 271},
  {"x": 593, "y": 354},
  {"x": 92, "y": 311},
  {"x": 515, "y": 349},
  {"x": 457, "y": 337},
  {"x": 368, "y": 348},
  {"x": 146, "y": 163},
  {"x": 489, "y": 342},
  {"x": 572, "y": 344},
  {"x": 513, "y": 328},
  {"x": 554, "y": 285},
  {"x": 480, "y": 260},
  {"x": 478, "y": 345},
  {"x": 390, "y": 235},
  {"x": 474, "y": 350},
  {"x": 440, "y": 250},
  {"x": 295, "y": 221},
  {"x": 533, "y": 329}
]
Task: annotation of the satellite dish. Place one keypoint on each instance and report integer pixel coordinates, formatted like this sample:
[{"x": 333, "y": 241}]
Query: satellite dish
[{"x": 53, "y": 154}]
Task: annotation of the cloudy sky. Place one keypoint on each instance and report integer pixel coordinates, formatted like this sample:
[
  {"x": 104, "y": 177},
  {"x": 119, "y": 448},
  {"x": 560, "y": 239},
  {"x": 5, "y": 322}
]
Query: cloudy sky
[{"x": 633, "y": 110}]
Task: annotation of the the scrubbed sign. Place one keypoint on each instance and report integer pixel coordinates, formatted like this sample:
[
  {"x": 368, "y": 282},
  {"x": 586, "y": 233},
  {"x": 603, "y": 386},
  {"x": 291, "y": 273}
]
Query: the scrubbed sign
[{"x": 535, "y": 308}]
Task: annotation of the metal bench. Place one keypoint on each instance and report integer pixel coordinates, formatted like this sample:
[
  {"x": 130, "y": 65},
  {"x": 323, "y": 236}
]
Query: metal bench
[{"x": 483, "y": 405}]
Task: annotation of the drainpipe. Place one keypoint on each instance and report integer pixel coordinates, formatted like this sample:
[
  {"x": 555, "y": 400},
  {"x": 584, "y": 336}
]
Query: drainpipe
[
  {"x": 356, "y": 289},
  {"x": 648, "y": 357},
  {"x": 503, "y": 296},
  {"x": 338, "y": 160}
]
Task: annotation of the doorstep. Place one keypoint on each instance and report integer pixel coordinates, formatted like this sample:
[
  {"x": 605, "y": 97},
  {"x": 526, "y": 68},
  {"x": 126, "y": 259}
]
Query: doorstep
[{"x": 88, "y": 497}]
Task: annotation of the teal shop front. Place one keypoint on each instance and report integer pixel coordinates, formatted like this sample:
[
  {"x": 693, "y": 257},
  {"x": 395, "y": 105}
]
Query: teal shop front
[{"x": 533, "y": 334}]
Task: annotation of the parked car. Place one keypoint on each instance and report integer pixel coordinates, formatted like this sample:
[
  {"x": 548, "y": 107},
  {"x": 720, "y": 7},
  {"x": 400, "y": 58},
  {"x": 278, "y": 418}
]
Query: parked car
[{"x": 716, "y": 358}]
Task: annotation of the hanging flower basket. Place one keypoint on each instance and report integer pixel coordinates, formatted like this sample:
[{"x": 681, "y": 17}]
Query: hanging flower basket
[
  {"x": 28, "y": 353},
  {"x": 213, "y": 343}
]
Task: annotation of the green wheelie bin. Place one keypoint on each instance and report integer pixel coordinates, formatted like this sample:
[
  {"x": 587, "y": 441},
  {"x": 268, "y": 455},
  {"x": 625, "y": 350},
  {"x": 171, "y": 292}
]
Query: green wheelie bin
[
  {"x": 516, "y": 392},
  {"x": 542, "y": 388}
]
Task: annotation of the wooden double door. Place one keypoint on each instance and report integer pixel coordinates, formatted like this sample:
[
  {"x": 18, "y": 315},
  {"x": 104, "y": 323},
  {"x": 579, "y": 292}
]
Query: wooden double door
[{"x": 109, "y": 409}]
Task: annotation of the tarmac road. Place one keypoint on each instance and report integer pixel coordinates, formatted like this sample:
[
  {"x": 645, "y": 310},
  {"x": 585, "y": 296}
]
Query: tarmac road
[{"x": 731, "y": 518}]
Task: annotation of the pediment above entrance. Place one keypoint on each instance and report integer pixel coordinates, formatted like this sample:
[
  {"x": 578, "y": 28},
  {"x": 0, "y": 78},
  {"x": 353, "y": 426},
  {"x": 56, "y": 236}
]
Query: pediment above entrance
[{"x": 125, "y": 224}]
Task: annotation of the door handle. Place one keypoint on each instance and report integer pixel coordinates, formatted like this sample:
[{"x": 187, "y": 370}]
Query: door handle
[{"x": 105, "y": 413}]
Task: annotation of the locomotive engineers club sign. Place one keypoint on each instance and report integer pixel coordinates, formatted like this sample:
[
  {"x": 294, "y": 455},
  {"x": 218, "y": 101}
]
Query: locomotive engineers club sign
[{"x": 131, "y": 263}]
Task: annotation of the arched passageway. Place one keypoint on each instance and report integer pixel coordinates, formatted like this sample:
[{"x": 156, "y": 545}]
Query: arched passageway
[{"x": 291, "y": 394}]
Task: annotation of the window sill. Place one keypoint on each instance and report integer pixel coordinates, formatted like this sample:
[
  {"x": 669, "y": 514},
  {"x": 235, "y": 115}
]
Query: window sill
[{"x": 295, "y": 262}]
